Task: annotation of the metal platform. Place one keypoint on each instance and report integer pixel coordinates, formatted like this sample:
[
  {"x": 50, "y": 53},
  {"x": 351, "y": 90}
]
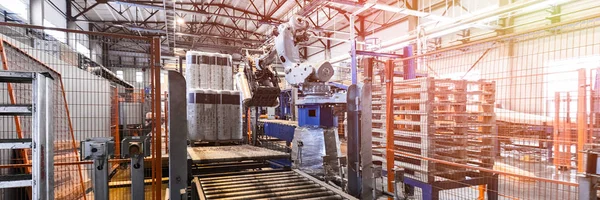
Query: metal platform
[
  {"x": 212, "y": 154},
  {"x": 263, "y": 185}
]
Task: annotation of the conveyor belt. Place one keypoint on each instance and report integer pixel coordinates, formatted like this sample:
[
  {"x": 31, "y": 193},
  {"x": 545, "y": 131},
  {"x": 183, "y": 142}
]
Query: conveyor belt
[
  {"x": 264, "y": 185},
  {"x": 278, "y": 121},
  {"x": 232, "y": 153}
]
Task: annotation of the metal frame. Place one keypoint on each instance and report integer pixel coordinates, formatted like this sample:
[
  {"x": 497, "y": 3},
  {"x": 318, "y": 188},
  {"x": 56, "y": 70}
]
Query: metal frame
[
  {"x": 142, "y": 143},
  {"x": 41, "y": 142},
  {"x": 99, "y": 150}
]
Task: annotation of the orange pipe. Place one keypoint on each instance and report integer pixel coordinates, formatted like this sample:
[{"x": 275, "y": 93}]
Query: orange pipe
[
  {"x": 582, "y": 134},
  {"x": 166, "y": 123},
  {"x": 117, "y": 135},
  {"x": 153, "y": 112},
  {"x": 156, "y": 101},
  {"x": 389, "y": 123}
]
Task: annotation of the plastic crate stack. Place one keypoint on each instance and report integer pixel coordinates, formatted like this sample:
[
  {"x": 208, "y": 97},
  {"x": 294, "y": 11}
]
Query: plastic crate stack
[{"x": 443, "y": 119}]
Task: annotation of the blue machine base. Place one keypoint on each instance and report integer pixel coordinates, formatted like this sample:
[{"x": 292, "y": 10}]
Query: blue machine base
[
  {"x": 319, "y": 115},
  {"x": 280, "y": 131},
  {"x": 431, "y": 191}
]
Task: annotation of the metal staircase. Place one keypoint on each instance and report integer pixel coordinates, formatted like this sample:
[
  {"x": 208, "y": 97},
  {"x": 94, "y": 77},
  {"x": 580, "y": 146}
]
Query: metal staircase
[{"x": 41, "y": 143}]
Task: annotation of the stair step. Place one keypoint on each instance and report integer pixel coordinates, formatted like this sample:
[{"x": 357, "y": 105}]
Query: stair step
[
  {"x": 15, "y": 143},
  {"x": 15, "y": 181},
  {"x": 16, "y": 77},
  {"x": 15, "y": 110}
]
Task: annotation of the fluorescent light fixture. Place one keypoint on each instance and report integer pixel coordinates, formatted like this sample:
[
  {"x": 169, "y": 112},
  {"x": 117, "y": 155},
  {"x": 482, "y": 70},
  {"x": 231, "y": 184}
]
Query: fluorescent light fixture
[
  {"x": 448, "y": 31},
  {"x": 393, "y": 47},
  {"x": 542, "y": 5},
  {"x": 339, "y": 58},
  {"x": 180, "y": 20},
  {"x": 388, "y": 8}
]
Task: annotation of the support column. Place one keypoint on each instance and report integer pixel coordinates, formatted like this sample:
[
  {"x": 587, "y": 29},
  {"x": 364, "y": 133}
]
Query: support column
[
  {"x": 181, "y": 64},
  {"x": 36, "y": 12},
  {"x": 155, "y": 64},
  {"x": 328, "y": 48},
  {"x": 71, "y": 38},
  {"x": 582, "y": 133}
]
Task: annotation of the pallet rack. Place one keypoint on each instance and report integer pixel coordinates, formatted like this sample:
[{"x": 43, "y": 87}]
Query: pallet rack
[{"x": 443, "y": 119}]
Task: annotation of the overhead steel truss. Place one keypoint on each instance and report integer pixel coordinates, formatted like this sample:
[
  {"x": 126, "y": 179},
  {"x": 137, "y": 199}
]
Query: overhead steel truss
[{"x": 217, "y": 24}]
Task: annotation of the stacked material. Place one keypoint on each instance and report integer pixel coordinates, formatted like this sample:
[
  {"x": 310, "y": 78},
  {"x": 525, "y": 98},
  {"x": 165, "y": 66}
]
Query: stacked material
[
  {"x": 442, "y": 119},
  {"x": 214, "y": 113}
]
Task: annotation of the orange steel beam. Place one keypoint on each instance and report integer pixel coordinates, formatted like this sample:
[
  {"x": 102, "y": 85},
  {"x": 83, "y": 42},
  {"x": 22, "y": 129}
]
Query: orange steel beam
[
  {"x": 582, "y": 134},
  {"x": 389, "y": 123},
  {"x": 591, "y": 100},
  {"x": 13, "y": 100},
  {"x": 153, "y": 114},
  {"x": 166, "y": 123},
  {"x": 72, "y": 134},
  {"x": 566, "y": 156},
  {"x": 249, "y": 123},
  {"x": 117, "y": 135},
  {"x": 556, "y": 130},
  {"x": 156, "y": 93}
]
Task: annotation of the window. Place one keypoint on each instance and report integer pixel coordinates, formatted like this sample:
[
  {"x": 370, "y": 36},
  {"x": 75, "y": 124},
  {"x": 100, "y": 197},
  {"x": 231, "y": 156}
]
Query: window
[
  {"x": 562, "y": 77},
  {"x": 120, "y": 74},
  {"x": 58, "y": 35},
  {"x": 83, "y": 50},
  {"x": 18, "y": 7},
  {"x": 139, "y": 77}
]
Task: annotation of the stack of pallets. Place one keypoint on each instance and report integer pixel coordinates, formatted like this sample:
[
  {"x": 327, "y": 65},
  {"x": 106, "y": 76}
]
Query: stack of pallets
[{"x": 442, "y": 119}]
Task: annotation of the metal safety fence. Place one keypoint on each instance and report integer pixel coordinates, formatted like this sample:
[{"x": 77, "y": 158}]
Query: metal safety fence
[
  {"x": 507, "y": 116},
  {"x": 105, "y": 86}
]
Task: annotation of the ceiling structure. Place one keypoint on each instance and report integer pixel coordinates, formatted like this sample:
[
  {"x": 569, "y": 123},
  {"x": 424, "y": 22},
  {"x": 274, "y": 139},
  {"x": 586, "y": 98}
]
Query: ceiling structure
[{"x": 233, "y": 25}]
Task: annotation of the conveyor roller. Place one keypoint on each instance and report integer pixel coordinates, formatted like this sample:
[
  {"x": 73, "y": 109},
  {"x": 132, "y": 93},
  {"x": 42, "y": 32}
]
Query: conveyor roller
[{"x": 268, "y": 185}]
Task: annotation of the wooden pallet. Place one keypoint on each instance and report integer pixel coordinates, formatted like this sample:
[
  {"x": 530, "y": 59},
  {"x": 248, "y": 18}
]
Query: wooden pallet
[{"x": 450, "y": 120}]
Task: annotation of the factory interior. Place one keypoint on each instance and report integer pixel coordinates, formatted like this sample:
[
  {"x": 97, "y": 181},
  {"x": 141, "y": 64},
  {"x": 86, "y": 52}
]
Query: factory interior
[{"x": 299, "y": 99}]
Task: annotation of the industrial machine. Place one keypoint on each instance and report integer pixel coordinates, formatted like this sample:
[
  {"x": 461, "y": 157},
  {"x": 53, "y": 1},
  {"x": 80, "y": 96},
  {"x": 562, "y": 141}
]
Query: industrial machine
[
  {"x": 99, "y": 150},
  {"x": 136, "y": 148},
  {"x": 231, "y": 171},
  {"x": 589, "y": 180},
  {"x": 316, "y": 137}
]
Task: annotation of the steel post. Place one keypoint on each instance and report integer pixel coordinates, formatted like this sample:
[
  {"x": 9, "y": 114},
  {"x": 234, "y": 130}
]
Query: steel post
[
  {"x": 178, "y": 135},
  {"x": 409, "y": 67},
  {"x": 389, "y": 123},
  {"x": 366, "y": 151},
  {"x": 137, "y": 177},
  {"x": 353, "y": 51},
  {"x": 101, "y": 178},
  {"x": 353, "y": 141}
]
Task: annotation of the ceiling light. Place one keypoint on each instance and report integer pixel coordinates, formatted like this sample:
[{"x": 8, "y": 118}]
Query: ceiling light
[{"x": 180, "y": 21}]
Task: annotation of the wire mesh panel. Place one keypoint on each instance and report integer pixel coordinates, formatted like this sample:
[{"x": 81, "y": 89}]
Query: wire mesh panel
[
  {"x": 544, "y": 83},
  {"x": 103, "y": 89}
]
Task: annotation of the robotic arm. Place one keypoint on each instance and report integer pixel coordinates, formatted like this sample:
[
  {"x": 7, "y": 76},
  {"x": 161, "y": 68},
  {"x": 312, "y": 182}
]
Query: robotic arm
[
  {"x": 259, "y": 83},
  {"x": 287, "y": 37}
]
